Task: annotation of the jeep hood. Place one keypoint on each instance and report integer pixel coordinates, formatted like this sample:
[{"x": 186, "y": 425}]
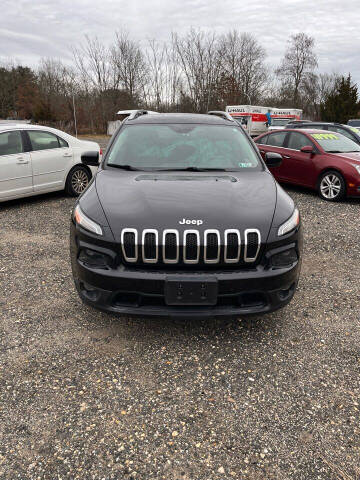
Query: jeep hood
[{"x": 160, "y": 200}]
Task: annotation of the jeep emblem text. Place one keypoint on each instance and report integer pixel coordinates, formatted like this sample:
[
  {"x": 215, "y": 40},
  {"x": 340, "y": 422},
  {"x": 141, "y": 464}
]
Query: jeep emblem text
[{"x": 184, "y": 221}]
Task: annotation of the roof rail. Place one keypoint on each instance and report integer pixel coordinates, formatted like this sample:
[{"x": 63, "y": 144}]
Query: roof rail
[
  {"x": 132, "y": 114},
  {"x": 137, "y": 114},
  {"x": 219, "y": 113}
]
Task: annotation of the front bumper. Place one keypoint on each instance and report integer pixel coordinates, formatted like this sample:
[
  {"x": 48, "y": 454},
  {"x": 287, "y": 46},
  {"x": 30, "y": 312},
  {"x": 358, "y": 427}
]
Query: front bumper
[
  {"x": 353, "y": 191},
  {"x": 141, "y": 292}
]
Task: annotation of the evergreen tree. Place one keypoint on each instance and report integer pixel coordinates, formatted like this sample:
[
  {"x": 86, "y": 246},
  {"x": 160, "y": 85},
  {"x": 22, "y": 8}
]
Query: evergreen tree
[{"x": 343, "y": 103}]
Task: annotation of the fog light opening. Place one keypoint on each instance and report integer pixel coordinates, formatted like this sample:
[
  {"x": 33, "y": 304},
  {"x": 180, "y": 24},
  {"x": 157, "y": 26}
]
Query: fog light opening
[
  {"x": 285, "y": 294},
  {"x": 90, "y": 292},
  {"x": 93, "y": 259},
  {"x": 284, "y": 259}
]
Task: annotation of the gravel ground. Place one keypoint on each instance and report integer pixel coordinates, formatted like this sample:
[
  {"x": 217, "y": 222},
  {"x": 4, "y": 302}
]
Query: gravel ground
[{"x": 87, "y": 395}]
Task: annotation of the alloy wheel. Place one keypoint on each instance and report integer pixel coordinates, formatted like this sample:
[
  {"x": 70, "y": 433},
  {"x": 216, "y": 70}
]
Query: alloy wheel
[
  {"x": 330, "y": 186},
  {"x": 79, "y": 181}
]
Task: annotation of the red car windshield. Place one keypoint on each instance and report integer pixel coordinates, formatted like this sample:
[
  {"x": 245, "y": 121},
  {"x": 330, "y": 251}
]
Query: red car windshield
[{"x": 335, "y": 143}]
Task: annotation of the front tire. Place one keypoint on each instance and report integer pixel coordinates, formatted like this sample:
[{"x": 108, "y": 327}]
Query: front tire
[
  {"x": 77, "y": 180},
  {"x": 332, "y": 186}
]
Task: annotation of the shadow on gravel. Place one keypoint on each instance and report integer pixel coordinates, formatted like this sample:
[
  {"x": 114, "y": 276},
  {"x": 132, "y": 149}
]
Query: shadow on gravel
[
  {"x": 164, "y": 330},
  {"x": 312, "y": 193},
  {"x": 36, "y": 199}
]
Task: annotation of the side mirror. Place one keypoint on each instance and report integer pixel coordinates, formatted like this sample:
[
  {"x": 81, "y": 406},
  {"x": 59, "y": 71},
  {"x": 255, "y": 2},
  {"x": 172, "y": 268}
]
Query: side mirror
[
  {"x": 273, "y": 159},
  {"x": 307, "y": 149},
  {"x": 90, "y": 158}
]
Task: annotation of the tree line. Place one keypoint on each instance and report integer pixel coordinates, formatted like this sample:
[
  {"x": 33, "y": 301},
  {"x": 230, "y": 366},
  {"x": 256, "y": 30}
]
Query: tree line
[{"x": 193, "y": 72}]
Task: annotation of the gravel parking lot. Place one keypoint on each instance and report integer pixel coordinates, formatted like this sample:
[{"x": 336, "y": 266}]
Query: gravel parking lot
[{"x": 87, "y": 395}]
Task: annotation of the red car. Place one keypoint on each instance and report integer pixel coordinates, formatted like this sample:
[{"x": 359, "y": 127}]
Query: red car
[{"x": 324, "y": 161}]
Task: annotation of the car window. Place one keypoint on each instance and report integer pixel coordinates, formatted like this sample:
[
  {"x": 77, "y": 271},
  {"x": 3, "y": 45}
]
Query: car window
[
  {"x": 181, "y": 146},
  {"x": 262, "y": 140},
  {"x": 342, "y": 131},
  {"x": 279, "y": 122},
  {"x": 297, "y": 141},
  {"x": 335, "y": 143},
  {"x": 10, "y": 143},
  {"x": 316, "y": 126},
  {"x": 354, "y": 123},
  {"x": 276, "y": 139},
  {"x": 43, "y": 140},
  {"x": 62, "y": 142}
]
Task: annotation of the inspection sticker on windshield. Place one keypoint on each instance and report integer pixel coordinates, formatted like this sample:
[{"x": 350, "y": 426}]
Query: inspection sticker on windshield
[
  {"x": 325, "y": 136},
  {"x": 245, "y": 165}
]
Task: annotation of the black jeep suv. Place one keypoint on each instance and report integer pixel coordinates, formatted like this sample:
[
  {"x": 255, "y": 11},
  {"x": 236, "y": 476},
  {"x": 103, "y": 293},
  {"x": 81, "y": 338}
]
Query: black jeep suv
[{"x": 183, "y": 218}]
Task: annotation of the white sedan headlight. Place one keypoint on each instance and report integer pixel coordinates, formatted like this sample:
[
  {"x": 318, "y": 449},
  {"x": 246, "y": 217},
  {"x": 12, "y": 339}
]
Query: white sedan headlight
[
  {"x": 85, "y": 222},
  {"x": 290, "y": 224},
  {"x": 356, "y": 166}
]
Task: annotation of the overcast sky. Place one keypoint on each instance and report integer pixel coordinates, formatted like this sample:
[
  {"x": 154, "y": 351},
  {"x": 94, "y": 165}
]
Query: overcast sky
[{"x": 31, "y": 29}]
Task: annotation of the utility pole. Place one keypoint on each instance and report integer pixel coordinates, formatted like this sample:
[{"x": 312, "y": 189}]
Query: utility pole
[{"x": 75, "y": 124}]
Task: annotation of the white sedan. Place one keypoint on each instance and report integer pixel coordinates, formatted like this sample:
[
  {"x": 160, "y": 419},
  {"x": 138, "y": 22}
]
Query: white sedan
[{"x": 36, "y": 159}]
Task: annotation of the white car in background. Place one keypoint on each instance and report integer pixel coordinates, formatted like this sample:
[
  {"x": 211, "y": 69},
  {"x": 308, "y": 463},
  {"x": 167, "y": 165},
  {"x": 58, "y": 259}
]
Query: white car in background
[
  {"x": 279, "y": 123},
  {"x": 36, "y": 159}
]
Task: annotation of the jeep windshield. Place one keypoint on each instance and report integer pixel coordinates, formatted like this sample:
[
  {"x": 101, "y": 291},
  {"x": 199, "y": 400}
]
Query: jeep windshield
[{"x": 192, "y": 147}]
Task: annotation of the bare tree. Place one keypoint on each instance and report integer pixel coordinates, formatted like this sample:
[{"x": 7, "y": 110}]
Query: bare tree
[
  {"x": 163, "y": 77},
  {"x": 298, "y": 64},
  {"x": 57, "y": 84},
  {"x": 199, "y": 59},
  {"x": 129, "y": 65},
  {"x": 243, "y": 61},
  {"x": 316, "y": 89},
  {"x": 92, "y": 60}
]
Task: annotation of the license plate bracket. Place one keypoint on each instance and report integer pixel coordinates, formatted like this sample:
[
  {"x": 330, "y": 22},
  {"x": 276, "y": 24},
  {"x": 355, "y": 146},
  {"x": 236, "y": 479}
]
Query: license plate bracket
[{"x": 182, "y": 290}]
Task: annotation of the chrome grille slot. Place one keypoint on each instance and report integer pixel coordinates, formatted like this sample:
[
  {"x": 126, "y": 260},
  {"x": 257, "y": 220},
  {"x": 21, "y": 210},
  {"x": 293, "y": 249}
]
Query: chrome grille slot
[
  {"x": 170, "y": 246},
  {"x": 191, "y": 246},
  {"x": 232, "y": 246},
  {"x": 211, "y": 246},
  {"x": 129, "y": 244},
  {"x": 150, "y": 246},
  {"x": 252, "y": 244}
]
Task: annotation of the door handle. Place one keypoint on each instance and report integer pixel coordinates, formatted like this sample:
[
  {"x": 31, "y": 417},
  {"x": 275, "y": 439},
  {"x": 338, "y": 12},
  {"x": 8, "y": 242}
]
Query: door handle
[
  {"x": 22, "y": 161},
  {"x": 67, "y": 155},
  {"x": 286, "y": 156}
]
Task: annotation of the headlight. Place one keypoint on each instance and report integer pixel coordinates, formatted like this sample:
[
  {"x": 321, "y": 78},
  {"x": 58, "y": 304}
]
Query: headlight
[
  {"x": 357, "y": 167},
  {"x": 290, "y": 224},
  {"x": 85, "y": 222}
]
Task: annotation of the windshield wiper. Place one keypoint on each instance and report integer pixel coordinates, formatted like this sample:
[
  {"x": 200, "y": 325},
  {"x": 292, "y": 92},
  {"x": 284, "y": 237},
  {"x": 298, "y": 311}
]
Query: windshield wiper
[
  {"x": 334, "y": 151},
  {"x": 123, "y": 167},
  {"x": 165, "y": 169},
  {"x": 193, "y": 169}
]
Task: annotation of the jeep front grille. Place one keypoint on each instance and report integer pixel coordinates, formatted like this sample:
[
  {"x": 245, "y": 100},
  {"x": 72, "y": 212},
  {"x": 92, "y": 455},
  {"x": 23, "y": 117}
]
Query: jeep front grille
[
  {"x": 190, "y": 247},
  {"x": 252, "y": 245}
]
